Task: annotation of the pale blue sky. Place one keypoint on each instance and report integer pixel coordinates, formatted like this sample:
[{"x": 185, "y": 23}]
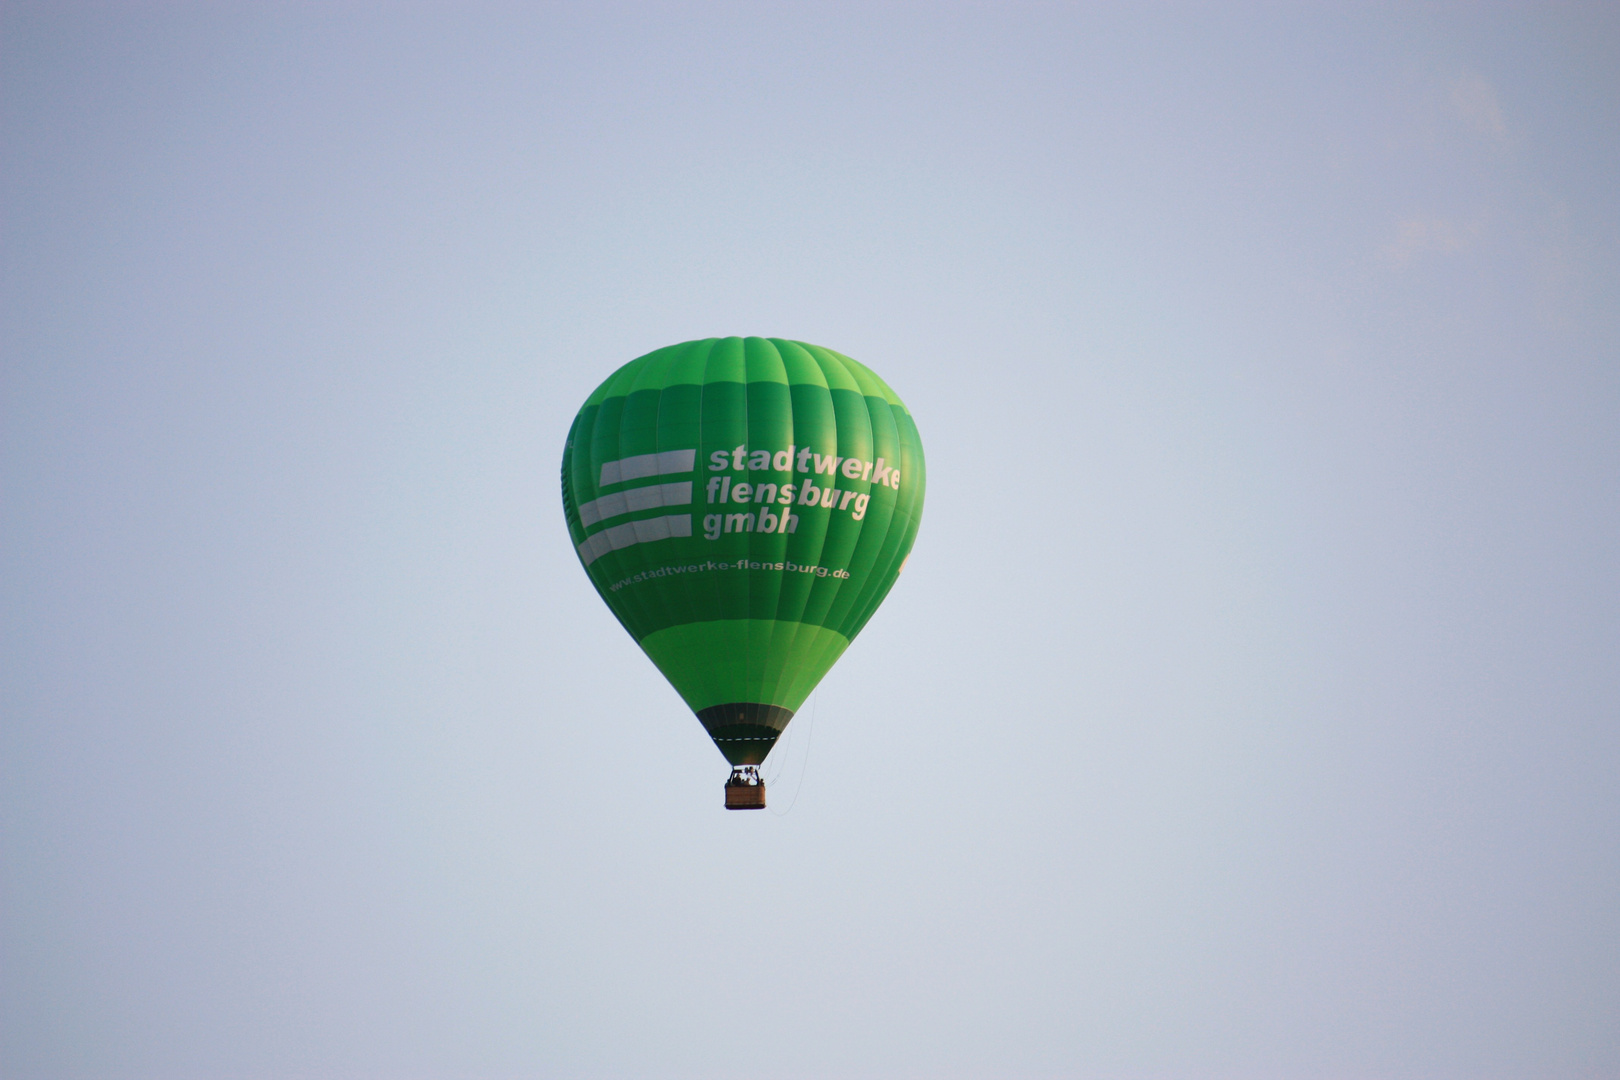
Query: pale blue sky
[{"x": 1250, "y": 706}]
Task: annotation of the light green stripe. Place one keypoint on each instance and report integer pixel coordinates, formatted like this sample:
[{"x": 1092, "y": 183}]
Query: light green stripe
[{"x": 724, "y": 661}]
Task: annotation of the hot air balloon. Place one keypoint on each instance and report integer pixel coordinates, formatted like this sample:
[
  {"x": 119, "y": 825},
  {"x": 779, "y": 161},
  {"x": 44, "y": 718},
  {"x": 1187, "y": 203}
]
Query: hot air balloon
[{"x": 743, "y": 505}]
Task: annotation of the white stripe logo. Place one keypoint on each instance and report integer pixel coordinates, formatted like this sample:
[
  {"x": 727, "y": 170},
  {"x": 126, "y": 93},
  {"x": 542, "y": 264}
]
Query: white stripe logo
[
  {"x": 634, "y": 532},
  {"x": 678, "y": 493},
  {"x": 641, "y": 498},
  {"x": 634, "y": 468}
]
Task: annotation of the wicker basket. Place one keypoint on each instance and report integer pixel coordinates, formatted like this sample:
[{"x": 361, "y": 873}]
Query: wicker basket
[{"x": 745, "y": 796}]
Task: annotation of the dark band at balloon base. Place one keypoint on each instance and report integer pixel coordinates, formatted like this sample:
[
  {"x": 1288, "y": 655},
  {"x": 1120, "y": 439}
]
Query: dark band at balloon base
[{"x": 745, "y": 731}]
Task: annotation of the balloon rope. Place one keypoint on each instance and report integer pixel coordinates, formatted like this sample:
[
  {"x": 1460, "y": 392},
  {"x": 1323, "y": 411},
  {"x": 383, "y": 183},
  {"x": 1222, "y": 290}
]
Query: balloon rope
[
  {"x": 806, "y": 766},
  {"x": 779, "y": 754}
]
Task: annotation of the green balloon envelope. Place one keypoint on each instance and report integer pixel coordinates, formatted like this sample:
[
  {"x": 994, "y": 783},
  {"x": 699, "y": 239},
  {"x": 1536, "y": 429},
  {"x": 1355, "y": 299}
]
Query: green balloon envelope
[{"x": 743, "y": 505}]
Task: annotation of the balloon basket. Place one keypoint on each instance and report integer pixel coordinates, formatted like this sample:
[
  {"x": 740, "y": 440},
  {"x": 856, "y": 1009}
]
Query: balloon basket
[{"x": 745, "y": 790}]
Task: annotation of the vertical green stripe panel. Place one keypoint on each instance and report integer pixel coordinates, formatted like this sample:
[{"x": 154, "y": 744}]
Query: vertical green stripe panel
[
  {"x": 690, "y": 362},
  {"x": 878, "y": 517}
]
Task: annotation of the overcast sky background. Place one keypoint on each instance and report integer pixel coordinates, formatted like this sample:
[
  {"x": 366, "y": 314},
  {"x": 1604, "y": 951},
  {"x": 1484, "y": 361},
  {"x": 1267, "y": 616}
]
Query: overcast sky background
[{"x": 1250, "y": 706}]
